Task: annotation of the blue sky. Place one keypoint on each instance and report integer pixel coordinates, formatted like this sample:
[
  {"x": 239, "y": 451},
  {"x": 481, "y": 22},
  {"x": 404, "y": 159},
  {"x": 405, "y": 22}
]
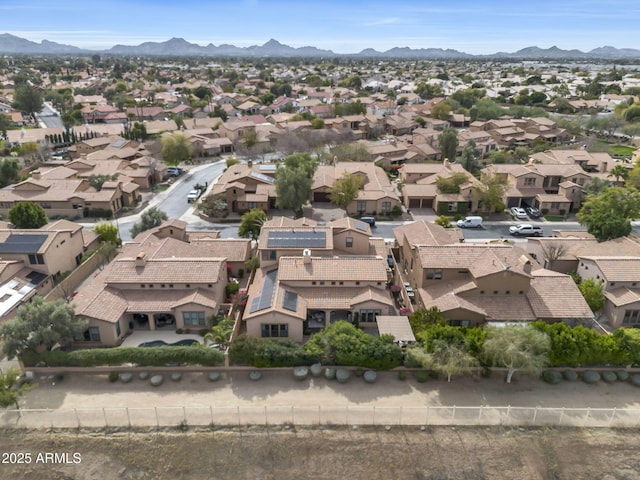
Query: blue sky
[{"x": 345, "y": 26}]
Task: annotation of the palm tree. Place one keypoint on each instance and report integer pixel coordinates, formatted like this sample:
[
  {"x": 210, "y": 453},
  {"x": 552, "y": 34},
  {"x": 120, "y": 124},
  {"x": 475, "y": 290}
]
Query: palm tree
[{"x": 619, "y": 171}]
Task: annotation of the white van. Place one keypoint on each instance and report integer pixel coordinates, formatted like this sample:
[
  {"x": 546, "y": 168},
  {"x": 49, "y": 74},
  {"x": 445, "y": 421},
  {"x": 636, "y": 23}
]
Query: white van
[{"x": 470, "y": 222}]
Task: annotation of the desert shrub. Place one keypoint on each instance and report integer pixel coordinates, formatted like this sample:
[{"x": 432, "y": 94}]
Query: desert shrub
[
  {"x": 570, "y": 375},
  {"x": 402, "y": 375},
  {"x": 422, "y": 376},
  {"x": 591, "y": 376},
  {"x": 359, "y": 372},
  {"x": 552, "y": 376},
  {"x": 113, "y": 377}
]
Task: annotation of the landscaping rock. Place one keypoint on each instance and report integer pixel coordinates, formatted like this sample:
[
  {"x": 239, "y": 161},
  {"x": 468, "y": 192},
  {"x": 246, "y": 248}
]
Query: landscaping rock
[
  {"x": 143, "y": 375},
  {"x": 370, "y": 376},
  {"x": 126, "y": 377},
  {"x": 176, "y": 376},
  {"x": 330, "y": 373},
  {"x": 609, "y": 376},
  {"x": 552, "y": 376},
  {"x": 590, "y": 376},
  {"x": 156, "y": 380},
  {"x": 635, "y": 379},
  {"x": 214, "y": 376},
  {"x": 255, "y": 375},
  {"x": 342, "y": 375},
  {"x": 316, "y": 369},
  {"x": 570, "y": 375},
  {"x": 300, "y": 373},
  {"x": 622, "y": 375}
]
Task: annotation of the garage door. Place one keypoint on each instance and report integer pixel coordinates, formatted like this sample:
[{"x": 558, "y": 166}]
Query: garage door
[
  {"x": 414, "y": 203},
  {"x": 320, "y": 197}
]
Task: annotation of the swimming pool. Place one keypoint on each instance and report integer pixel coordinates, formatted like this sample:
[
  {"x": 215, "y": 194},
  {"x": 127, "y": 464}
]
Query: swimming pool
[{"x": 187, "y": 342}]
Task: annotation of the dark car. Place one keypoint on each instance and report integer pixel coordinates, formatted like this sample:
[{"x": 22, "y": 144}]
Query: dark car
[
  {"x": 370, "y": 220},
  {"x": 533, "y": 212}
]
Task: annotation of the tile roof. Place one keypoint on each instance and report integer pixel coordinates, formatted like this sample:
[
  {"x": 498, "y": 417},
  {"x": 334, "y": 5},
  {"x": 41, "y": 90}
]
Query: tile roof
[
  {"x": 618, "y": 268},
  {"x": 622, "y": 296},
  {"x": 423, "y": 233},
  {"x": 557, "y": 297},
  {"x": 167, "y": 270},
  {"x": 353, "y": 268}
]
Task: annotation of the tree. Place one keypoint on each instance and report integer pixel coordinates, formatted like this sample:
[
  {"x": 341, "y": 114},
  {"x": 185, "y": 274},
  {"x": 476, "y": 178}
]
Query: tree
[
  {"x": 345, "y": 189},
  {"x": 452, "y": 359},
  {"x": 444, "y": 221},
  {"x": 619, "y": 171},
  {"x": 451, "y": 184},
  {"x": 176, "y": 149},
  {"x": 441, "y": 111},
  {"x": 597, "y": 185},
  {"x": 349, "y": 152},
  {"x": 609, "y": 214},
  {"x": 293, "y": 181},
  {"x": 252, "y": 223},
  {"x": 448, "y": 141},
  {"x": 150, "y": 218},
  {"x": 9, "y": 171},
  {"x": 98, "y": 180},
  {"x": 423, "y": 318},
  {"x": 516, "y": 348},
  {"x": 469, "y": 156},
  {"x": 28, "y": 215},
  {"x": 11, "y": 388},
  {"x": 28, "y": 99},
  {"x": 490, "y": 192},
  {"x": 555, "y": 251},
  {"x": 108, "y": 233},
  {"x": 220, "y": 333},
  {"x": 593, "y": 293},
  {"x": 39, "y": 326}
]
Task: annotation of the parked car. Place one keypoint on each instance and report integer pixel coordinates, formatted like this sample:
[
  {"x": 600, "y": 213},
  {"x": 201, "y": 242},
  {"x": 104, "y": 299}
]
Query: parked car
[
  {"x": 526, "y": 230},
  {"x": 174, "y": 171},
  {"x": 370, "y": 220},
  {"x": 193, "y": 195},
  {"x": 470, "y": 222},
  {"x": 533, "y": 212},
  {"x": 518, "y": 212}
]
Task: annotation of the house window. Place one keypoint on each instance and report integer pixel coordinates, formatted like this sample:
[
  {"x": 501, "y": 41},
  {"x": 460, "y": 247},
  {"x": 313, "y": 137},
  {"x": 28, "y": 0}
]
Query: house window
[
  {"x": 188, "y": 285},
  {"x": 314, "y": 282},
  {"x": 495, "y": 292},
  {"x": 275, "y": 330},
  {"x": 386, "y": 206},
  {"x": 193, "y": 319},
  {"x": 118, "y": 329},
  {"x": 322, "y": 283},
  {"x": 459, "y": 323},
  {"x": 369, "y": 315},
  {"x": 529, "y": 181},
  {"x": 361, "y": 205},
  {"x": 555, "y": 205},
  {"x": 507, "y": 292},
  {"x": 349, "y": 242},
  {"x": 631, "y": 317},
  {"x": 340, "y": 283},
  {"x": 171, "y": 285},
  {"x": 481, "y": 292},
  {"x": 252, "y": 205},
  {"x": 94, "y": 334},
  {"x": 452, "y": 207},
  {"x": 268, "y": 255},
  {"x": 37, "y": 259},
  {"x": 45, "y": 205},
  {"x": 433, "y": 274},
  {"x": 151, "y": 285},
  {"x": 142, "y": 285},
  {"x": 357, "y": 283},
  {"x": 162, "y": 285}
]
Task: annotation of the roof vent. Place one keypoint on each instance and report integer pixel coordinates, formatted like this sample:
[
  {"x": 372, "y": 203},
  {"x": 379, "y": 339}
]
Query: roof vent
[{"x": 306, "y": 255}]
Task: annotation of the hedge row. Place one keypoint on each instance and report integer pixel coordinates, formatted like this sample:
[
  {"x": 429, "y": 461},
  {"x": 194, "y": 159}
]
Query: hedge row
[{"x": 151, "y": 356}]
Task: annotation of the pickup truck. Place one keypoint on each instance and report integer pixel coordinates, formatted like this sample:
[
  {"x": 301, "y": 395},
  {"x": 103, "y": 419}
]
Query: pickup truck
[
  {"x": 194, "y": 195},
  {"x": 526, "y": 230}
]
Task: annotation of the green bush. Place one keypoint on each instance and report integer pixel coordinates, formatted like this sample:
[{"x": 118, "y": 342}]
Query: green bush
[
  {"x": 179, "y": 331},
  {"x": 113, "y": 377},
  {"x": 359, "y": 372},
  {"x": 422, "y": 376},
  {"x": 152, "y": 356},
  {"x": 203, "y": 331},
  {"x": 268, "y": 352},
  {"x": 396, "y": 211},
  {"x": 402, "y": 375}
]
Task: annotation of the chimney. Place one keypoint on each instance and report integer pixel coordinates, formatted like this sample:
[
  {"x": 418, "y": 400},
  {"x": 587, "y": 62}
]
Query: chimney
[
  {"x": 141, "y": 259},
  {"x": 306, "y": 256},
  {"x": 526, "y": 264},
  {"x": 250, "y": 163},
  {"x": 36, "y": 175}
]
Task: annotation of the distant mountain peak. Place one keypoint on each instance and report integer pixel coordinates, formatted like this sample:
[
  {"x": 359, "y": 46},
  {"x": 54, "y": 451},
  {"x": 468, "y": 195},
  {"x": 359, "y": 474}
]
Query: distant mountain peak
[{"x": 176, "y": 46}]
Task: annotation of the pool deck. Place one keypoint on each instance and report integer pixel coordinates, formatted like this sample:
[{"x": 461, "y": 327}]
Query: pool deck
[{"x": 138, "y": 337}]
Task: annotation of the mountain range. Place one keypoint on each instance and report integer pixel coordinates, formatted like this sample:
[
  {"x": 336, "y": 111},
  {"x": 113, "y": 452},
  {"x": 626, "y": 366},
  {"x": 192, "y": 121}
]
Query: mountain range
[{"x": 10, "y": 44}]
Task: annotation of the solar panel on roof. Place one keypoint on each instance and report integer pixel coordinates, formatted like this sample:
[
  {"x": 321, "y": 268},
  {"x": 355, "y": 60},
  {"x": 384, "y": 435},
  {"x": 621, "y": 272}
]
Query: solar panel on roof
[
  {"x": 262, "y": 177},
  {"x": 294, "y": 239},
  {"x": 360, "y": 225},
  {"x": 265, "y": 300},
  {"x": 118, "y": 143},
  {"x": 36, "y": 278},
  {"x": 290, "y": 301},
  {"x": 23, "y": 243},
  {"x": 267, "y": 168}
]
